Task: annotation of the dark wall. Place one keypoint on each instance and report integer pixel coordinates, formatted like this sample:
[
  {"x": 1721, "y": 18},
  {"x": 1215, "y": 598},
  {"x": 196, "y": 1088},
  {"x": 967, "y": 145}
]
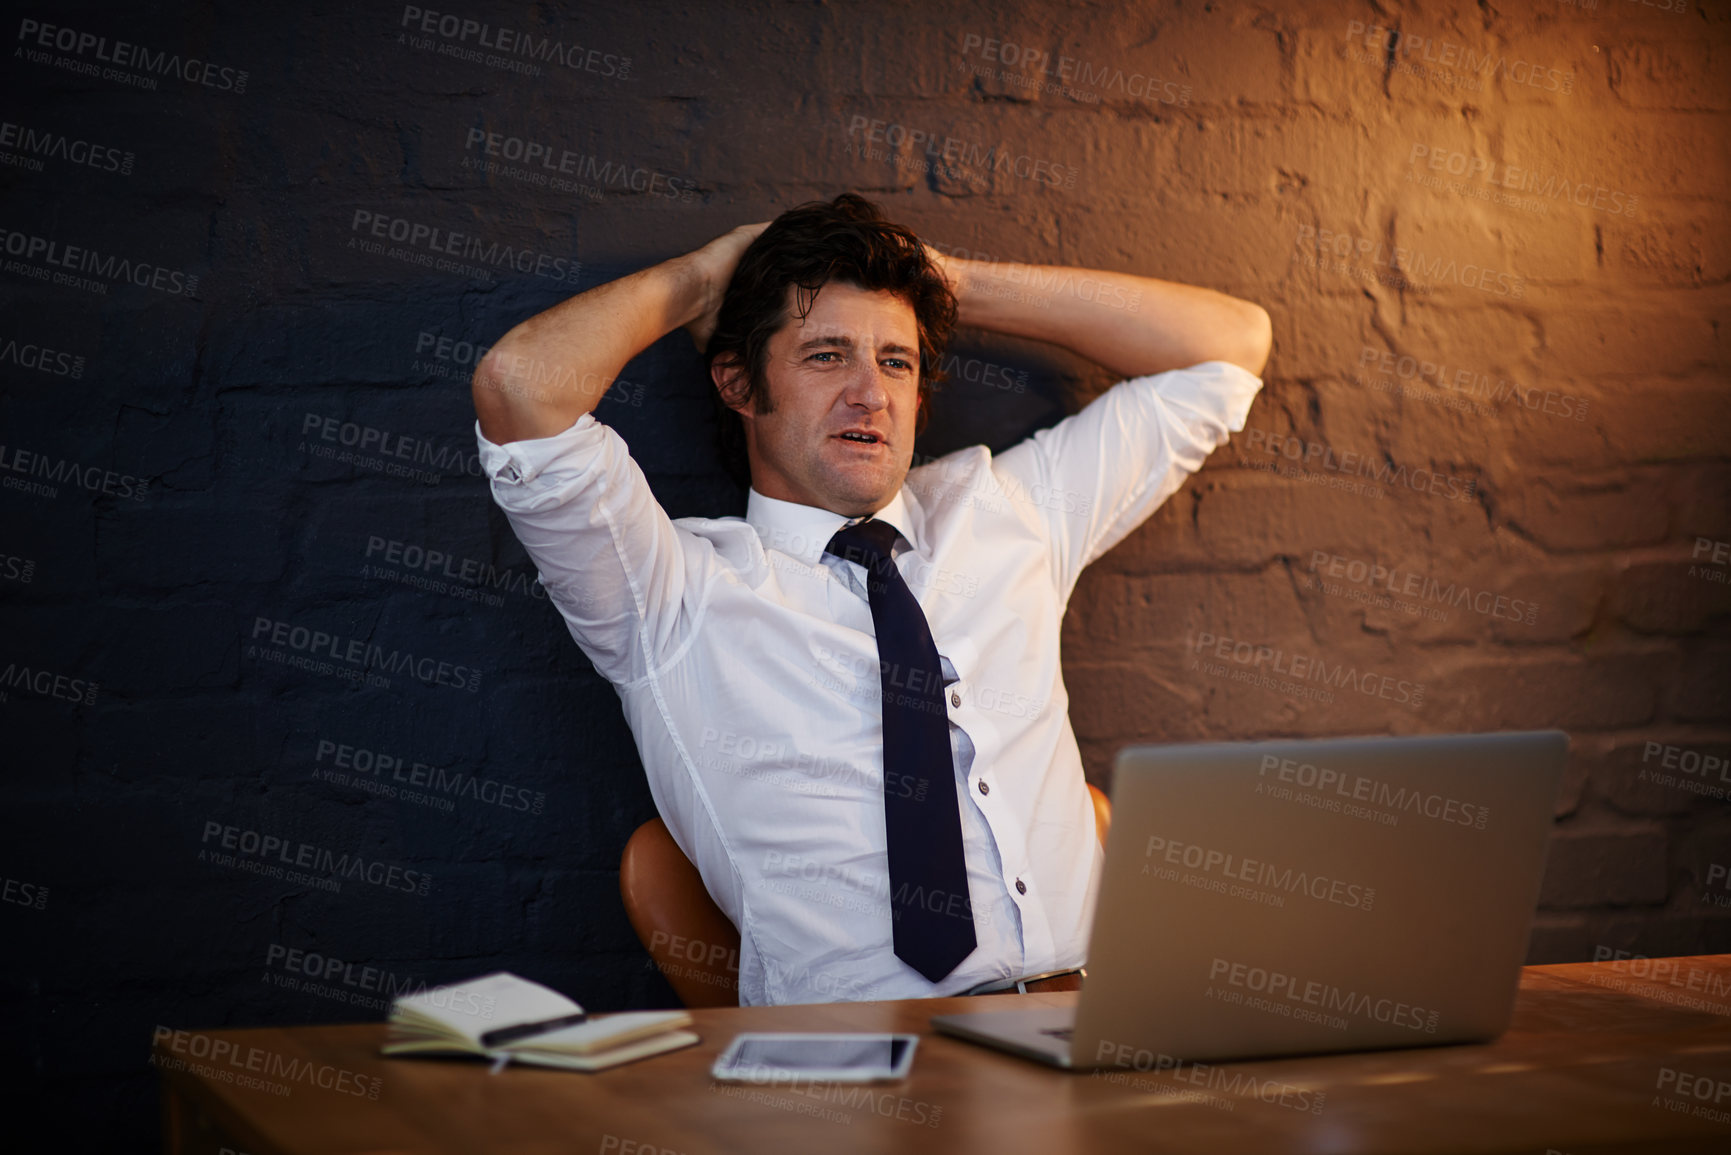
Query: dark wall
[{"x": 252, "y": 585}]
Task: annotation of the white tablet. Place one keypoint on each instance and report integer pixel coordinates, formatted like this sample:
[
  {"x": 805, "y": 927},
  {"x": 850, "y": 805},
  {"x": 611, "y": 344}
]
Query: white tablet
[{"x": 787, "y": 1058}]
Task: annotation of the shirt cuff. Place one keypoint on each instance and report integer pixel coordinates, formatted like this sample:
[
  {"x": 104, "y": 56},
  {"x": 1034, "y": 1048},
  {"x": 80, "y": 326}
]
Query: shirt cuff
[
  {"x": 521, "y": 462},
  {"x": 1216, "y": 389}
]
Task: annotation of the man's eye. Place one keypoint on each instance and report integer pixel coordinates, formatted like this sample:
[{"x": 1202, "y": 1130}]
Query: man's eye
[
  {"x": 898, "y": 363},
  {"x": 815, "y": 356}
]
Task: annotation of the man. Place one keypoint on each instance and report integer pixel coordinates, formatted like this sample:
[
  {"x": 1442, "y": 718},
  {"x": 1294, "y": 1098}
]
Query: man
[{"x": 849, "y": 704}]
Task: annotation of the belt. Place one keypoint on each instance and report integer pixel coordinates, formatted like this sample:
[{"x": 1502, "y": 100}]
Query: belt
[{"x": 1045, "y": 982}]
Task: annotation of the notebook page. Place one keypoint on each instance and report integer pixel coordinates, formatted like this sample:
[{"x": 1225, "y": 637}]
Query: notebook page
[
  {"x": 602, "y": 1033},
  {"x": 473, "y": 1007}
]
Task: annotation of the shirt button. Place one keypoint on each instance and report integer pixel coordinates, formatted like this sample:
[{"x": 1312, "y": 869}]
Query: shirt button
[
  {"x": 1021, "y": 887},
  {"x": 984, "y": 789},
  {"x": 955, "y": 698}
]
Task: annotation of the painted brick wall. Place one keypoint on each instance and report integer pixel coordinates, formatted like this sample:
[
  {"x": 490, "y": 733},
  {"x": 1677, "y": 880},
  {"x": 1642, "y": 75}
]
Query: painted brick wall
[{"x": 237, "y": 440}]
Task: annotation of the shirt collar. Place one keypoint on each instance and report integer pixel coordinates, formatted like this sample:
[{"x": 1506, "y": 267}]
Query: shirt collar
[{"x": 804, "y": 530}]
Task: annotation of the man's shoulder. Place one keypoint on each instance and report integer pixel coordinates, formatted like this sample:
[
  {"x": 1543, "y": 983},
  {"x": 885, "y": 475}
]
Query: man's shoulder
[
  {"x": 970, "y": 460},
  {"x": 732, "y": 538},
  {"x": 966, "y": 482},
  {"x": 715, "y": 528}
]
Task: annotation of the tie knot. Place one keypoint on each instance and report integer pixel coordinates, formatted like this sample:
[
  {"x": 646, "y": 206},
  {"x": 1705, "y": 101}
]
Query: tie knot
[{"x": 867, "y": 543}]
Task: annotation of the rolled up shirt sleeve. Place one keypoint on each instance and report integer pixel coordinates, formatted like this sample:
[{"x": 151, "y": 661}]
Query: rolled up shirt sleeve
[
  {"x": 611, "y": 560},
  {"x": 1098, "y": 474}
]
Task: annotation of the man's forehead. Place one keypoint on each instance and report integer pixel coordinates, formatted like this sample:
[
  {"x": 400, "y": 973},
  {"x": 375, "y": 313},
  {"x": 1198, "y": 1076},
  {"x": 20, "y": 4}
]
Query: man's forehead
[{"x": 845, "y": 311}]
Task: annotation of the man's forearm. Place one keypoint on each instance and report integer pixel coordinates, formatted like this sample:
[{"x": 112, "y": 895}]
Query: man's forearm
[
  {"x": 1131, "y": 325},
  {"x": 553, "y": 368}
]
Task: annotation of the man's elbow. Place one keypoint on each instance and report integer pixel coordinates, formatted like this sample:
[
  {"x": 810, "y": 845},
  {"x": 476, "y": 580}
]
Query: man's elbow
[
  {"x": 496, "y": 393},
  {"x": 1256, "y": 341}
]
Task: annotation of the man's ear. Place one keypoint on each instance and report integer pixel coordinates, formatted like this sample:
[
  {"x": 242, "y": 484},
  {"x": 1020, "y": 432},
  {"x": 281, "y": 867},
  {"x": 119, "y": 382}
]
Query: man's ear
[{"x": 731, "y": 381}]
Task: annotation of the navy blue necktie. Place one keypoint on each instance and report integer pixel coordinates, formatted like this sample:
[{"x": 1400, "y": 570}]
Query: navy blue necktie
[{"x": 930, "y": 916}]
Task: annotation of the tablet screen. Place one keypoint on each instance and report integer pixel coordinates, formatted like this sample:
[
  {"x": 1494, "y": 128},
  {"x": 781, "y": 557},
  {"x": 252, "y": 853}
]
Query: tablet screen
[{"x": 768, "y": 1055}]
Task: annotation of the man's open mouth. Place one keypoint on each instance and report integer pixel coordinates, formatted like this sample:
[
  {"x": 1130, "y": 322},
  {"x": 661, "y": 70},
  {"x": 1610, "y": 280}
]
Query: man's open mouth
[{"x": 861, "y": 438}]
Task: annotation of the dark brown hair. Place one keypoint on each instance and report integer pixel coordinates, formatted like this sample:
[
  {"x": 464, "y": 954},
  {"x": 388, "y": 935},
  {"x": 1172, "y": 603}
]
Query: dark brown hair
[{"x": 845, "y": 240}]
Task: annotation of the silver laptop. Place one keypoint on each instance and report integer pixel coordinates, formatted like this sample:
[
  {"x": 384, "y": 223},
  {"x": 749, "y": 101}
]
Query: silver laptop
[{"x": 1302, "y": 897}]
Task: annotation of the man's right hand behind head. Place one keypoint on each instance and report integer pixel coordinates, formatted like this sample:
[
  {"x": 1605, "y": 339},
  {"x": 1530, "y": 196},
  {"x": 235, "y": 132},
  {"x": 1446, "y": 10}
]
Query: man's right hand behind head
[
  {"x": 549, "y": 370},
  {"x": 715, "y": 263}
]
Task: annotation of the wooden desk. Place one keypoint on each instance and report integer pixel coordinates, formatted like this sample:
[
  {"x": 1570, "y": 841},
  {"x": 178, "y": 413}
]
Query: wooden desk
[{"x": 1601, "y": 1058}]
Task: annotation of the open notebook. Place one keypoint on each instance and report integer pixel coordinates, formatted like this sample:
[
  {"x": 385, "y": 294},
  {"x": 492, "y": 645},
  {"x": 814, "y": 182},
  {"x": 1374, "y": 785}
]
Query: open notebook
[{"x": 501, "y": 1016}]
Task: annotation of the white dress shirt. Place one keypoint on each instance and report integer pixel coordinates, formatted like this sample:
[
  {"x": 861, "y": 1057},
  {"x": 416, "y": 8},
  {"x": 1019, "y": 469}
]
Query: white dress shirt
[{"x": 748, "y": 668}]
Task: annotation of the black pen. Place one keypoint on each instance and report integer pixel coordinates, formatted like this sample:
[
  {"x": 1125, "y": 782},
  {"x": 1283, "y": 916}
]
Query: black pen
[{"x": 502, "y": 1035}]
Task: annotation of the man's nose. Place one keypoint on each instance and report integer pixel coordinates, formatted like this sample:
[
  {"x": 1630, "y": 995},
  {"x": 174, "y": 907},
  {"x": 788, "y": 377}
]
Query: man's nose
[{"x": 866, "y": 386}]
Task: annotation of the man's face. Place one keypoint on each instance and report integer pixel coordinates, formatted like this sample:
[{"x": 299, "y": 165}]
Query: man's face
[{"x": 845, "y": 387}]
